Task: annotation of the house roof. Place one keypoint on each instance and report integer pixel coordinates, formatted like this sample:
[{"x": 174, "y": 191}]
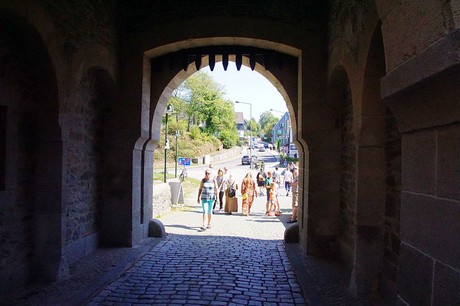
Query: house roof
[{"x": 240, "y": 118}]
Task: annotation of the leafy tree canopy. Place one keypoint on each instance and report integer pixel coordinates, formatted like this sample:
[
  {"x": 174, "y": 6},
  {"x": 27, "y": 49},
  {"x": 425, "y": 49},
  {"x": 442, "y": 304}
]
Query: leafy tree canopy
[
  {"x": 200, "y": 102},
  {"x": 267, "y": 121}
]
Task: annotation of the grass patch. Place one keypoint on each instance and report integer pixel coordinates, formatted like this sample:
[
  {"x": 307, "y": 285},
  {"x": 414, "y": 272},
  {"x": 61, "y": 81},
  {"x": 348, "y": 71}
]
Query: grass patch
[
  {"x": 159, "y": 176},
  {"x": 190, "y": 185}
]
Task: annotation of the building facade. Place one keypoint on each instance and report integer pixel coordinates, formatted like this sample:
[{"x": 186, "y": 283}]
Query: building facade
[{"x": 282, "y": 131}]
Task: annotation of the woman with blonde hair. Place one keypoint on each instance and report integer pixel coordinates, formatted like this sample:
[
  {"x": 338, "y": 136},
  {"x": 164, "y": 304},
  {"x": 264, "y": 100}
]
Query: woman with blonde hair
[{"x": 248, "y": 191}]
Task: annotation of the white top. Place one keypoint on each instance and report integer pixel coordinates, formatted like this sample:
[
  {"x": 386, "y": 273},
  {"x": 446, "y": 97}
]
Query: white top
[{"x": 287, "y": 175}]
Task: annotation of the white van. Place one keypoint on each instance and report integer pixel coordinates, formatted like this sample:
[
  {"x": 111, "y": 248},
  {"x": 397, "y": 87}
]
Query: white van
[{"x": 293, "y": 152}]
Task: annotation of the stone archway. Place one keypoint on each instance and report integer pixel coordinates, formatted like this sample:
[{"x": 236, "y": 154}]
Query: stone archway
[
  {"x": 166, "y": 72},
  {"x": 345, "y": 213},
  {"x": 32, "y": 208}
]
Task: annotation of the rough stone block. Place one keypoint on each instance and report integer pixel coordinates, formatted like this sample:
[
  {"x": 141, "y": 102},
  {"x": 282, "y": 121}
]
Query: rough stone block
[
  {"x": 367, "y": 263},
  {"x": 291, "y": 234},
  {"x": 432, "y": 226},
  {"x": 448, "y": 163},
  {"x": 446, "y": 286},
  {"x": 415, "y": 276},
  {"x": 371, "y": 191},
  {"x": 418, "y": 162}
]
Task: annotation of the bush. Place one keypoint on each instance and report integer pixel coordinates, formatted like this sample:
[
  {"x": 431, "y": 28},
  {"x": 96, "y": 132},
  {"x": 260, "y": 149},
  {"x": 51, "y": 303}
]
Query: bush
[
  {"x": 194, "y": 145},
  {"x": 195, "y": 132},
  {"x": 229, "y": 139},
  {"x": 292, "y": 159}
]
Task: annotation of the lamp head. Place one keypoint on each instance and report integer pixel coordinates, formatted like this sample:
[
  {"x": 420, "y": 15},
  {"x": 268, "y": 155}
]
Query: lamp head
[{"x": 169, "y": 108}]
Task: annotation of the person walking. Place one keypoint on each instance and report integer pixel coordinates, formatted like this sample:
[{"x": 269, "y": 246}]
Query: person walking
[
  {"x": 268, "y": 182},
  {"x": 220, "y": 189},
  {"x": 260, "y": 177},
  {"x": 207, "y": 194},
  {"x": 248, "y": 191},
  {"x": 287, "y": 180},
  {"x": 276, "y": 175},
  {"x": 274, "y": 204},
  {"x": 295, "y": 200},
  {"x": 276, "y": 193},
  {"x": 231, "y": 201}
]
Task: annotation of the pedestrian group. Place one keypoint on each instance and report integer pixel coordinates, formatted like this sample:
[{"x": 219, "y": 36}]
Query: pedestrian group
[{"x": 213, "y": 189}]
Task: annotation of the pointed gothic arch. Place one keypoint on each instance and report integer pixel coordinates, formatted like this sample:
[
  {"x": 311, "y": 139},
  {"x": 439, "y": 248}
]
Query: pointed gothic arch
[{"x": 163, "y": 74}]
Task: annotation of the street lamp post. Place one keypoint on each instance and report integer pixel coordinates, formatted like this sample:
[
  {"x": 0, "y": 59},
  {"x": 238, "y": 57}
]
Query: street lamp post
[
  {"x": 177, "y": 149},
  {"x": 169, "y": 110},
  {"x": 250, "y": 131}
]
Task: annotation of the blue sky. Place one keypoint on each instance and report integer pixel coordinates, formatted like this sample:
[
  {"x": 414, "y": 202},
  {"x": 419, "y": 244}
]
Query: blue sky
[{"x": 248, "y": 86}]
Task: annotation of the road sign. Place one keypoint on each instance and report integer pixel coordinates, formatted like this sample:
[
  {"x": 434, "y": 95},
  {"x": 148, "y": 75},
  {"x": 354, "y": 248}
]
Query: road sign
[{"x": 185, "y": 161}]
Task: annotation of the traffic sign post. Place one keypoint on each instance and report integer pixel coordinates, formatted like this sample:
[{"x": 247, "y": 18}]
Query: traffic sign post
[{"x": 184, "y": 161}]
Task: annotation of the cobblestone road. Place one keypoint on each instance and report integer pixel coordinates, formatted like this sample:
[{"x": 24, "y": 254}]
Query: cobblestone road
[{"x": 239, "y": 261}]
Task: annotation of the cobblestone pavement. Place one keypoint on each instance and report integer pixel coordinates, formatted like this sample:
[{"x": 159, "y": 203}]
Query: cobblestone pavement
[{"x": 239, "y": 261}]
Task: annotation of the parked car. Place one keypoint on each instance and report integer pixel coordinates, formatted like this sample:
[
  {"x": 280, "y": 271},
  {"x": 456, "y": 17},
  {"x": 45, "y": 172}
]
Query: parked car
[
  {"x": 245, "y": 159},
  {"x": 293, "y": 152}
]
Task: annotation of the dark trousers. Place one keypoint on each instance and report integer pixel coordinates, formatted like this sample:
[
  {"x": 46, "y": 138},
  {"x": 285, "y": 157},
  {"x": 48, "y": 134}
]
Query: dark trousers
[
  {"x": 221, "y": 200},
  {"x": 287, "y": 185}
]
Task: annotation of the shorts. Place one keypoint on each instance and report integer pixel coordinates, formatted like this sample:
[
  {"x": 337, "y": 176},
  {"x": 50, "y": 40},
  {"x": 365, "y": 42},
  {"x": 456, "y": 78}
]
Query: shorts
[{"x": 207, "y": 206}]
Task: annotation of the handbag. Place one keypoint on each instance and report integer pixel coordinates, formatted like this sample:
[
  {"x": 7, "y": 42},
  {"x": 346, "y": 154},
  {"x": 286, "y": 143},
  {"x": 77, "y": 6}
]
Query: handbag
[
  {"x": 245, "y": 196},
  {"x": 232, "y": 192}
]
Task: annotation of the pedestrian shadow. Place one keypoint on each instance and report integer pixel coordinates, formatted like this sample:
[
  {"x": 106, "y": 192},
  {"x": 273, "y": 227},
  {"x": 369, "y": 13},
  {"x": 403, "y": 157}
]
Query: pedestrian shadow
[{"x": 190, "y": 228}]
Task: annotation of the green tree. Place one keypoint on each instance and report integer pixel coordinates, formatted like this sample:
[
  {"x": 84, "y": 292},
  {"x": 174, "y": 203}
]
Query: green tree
[
  {"x": 200, "y": 102},
  {"x": 252, "y": 124},
  {"x": 200, "y": 93},
  {"x": 267, "y": 121}
]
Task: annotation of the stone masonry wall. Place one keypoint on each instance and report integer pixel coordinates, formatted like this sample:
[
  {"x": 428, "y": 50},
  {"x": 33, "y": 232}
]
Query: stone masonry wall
[
  {"x": 412, "y": 26},
  {"x": 84, "y": 163},
  {"x": 392, "y": 238},
  {"x": 348, "y": 178}
]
